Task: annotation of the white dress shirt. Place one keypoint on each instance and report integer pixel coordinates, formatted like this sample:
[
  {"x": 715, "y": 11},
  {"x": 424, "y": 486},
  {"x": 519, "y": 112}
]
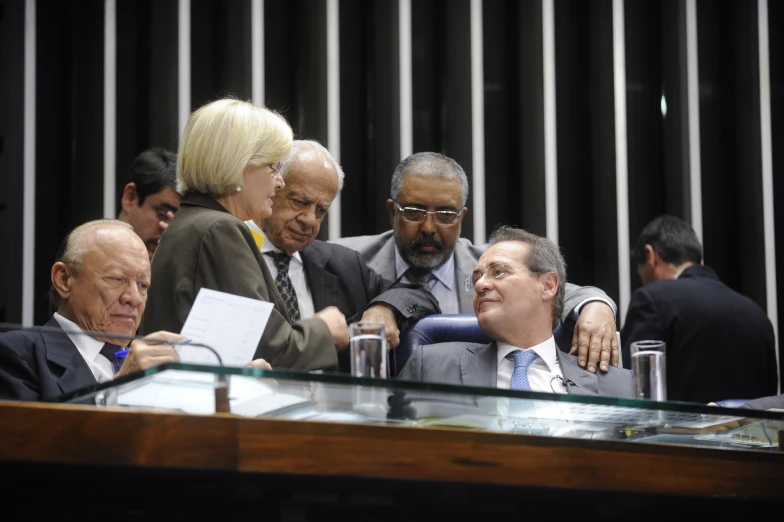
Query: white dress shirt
[
  {"x": 296, "y": 275},
  {"x": 544, "y": 373},
  {"x": 443, "y": 285},
  {"x": 89, "y": 349}
]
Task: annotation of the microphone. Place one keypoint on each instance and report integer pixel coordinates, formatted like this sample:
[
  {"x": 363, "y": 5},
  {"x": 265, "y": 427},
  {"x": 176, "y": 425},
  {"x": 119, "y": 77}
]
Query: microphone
[
  {"x": 565, "y": 382},
  {"x": 109, "y": 335}
]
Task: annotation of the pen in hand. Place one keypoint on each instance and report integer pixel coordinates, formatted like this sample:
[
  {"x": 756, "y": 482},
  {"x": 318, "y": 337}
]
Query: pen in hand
[{"x": 124, "y": 352}]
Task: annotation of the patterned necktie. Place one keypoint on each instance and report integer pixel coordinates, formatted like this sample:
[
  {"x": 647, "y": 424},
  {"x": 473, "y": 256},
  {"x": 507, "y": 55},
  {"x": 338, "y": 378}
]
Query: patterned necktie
[
  {"x": 108, "y": 351},
  {"x": 283, "y": 284},
  {"x": 519, "y": 381},
  {"x": 522, "y": 361}
]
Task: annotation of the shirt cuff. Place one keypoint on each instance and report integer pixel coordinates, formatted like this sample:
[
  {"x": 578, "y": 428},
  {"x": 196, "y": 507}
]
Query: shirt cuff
[{"x": 579, "y": 307}]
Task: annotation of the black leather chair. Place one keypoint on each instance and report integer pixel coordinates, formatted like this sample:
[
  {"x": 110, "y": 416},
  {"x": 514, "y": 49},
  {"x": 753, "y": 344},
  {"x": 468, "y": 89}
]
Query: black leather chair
[{"x": 442, "y": 328}]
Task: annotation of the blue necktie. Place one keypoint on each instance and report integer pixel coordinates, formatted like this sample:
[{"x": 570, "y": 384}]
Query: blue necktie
[
  {"x": 108, "y": 351},
  {"x": 519, "y": 381},
  {"x": 522, "y": 361}
]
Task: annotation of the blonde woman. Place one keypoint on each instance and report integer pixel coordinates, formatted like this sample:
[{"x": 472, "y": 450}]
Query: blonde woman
[{"x": 227, "y": 173}]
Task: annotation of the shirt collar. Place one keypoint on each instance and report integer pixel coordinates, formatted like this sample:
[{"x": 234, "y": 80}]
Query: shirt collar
[
  {"x": 267, "y": 246},
  {"x": 545, "y": 351},
  {"x": 445, "y": 273},
  {"x": 89, "y": 348}
]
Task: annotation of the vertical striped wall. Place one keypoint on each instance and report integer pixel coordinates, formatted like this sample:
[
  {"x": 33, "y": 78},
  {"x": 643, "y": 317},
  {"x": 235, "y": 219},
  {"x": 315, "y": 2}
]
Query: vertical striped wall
[{"x": 579, "y": 120}]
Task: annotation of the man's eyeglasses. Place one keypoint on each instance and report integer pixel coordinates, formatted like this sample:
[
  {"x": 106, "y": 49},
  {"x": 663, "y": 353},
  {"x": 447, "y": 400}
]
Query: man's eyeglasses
[
  {"x": 493, "y": 272},
  {"x": 445, "y": 218}
]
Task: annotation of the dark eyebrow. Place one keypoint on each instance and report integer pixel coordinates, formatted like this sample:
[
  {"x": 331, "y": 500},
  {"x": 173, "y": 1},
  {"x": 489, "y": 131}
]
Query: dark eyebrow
[{"x": 167, "y": 206}]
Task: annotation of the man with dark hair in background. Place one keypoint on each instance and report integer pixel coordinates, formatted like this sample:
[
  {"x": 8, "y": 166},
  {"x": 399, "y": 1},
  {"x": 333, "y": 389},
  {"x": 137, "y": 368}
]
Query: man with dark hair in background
[
  {"x": 149, "y": 200},
  {"x": 720, "y": 344}
]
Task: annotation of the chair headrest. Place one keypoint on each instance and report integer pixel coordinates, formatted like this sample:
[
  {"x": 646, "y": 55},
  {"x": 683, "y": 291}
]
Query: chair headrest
[{"x": 441, "y": 328}]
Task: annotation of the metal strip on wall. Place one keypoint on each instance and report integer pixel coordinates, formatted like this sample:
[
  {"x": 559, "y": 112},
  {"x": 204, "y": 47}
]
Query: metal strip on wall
[
  {"x": 184, "y": 64},
  {"x": 406, "y": 81},
  {"x": 333, "y": 103},
  {"x": 257, "y": 51},
  {"x": 621, "y": 161},
  {"x": 28, "y": 227},
  {"x": 550, "y": 136},
  {"x": 109, "y": 108},
  {"x": 478, "y": 122},
  {"x": 693, "y": 93},
  {"x": 766, "y": 142}
]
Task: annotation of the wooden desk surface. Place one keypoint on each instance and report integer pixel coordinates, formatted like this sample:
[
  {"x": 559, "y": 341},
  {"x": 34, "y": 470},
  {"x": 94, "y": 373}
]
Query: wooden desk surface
[{"x": 45, "y": 433}]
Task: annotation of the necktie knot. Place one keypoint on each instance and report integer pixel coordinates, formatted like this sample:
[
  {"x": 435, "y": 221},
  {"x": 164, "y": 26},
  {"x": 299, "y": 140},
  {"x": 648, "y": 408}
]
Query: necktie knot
[
  {"x": 418, "y": 275},
  {"x": 108, "y": 351},
  {"x": 522, "y": 360},
  {"x": 282, "y": 261}
]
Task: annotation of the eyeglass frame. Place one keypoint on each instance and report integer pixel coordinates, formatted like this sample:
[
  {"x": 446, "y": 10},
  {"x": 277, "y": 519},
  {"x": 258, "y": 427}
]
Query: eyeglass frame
[
  {"x": 456, "y": 213},
  {"x": 275, "y": 167},
  {"x": 470, "y": 284}
]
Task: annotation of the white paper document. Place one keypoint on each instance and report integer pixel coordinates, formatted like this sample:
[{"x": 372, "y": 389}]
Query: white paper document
[{"x": 229, "y": 323}]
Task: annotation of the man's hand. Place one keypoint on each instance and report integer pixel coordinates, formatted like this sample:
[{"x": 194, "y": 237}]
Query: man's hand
[
  {"x": 150, "y": 351},
  {"x": 381, "y": 313},
  {"x": 594, "y": 337},
  {"x": 259, "y": 363},
  {"x": 336, "y": 322}
]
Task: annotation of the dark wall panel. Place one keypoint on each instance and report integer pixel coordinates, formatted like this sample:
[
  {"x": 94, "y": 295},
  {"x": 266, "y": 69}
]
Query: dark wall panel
[
  {"x": 12, "y": 49},
  {"x": 69, "y": 129}
]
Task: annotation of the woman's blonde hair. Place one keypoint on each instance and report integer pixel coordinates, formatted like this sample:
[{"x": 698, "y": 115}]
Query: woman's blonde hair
[{"x": 222, "y": 138}]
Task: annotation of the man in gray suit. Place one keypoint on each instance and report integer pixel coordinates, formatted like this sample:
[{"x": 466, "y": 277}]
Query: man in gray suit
[
  {"x": 420, "y": 249},
  {"x": 521, "y": 275}
]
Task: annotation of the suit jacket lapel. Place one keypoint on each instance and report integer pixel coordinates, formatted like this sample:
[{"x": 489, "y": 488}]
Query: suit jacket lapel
[
  {"x": 479, "y": 366},
  {"x": 586, "y": 381},
  {"x": 464, "y": 265},
  {"x": 324, "y": 286},
  {"x": 384, "y": 261},
  {"x": 60, "y": 351}
]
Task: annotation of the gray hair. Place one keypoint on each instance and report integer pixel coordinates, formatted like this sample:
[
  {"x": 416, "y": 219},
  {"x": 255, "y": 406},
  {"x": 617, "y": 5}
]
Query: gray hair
[
  {"x": 323, "y": 153},
  {"x": 433, "y": 163},
  {"x": 72, "y": 249},
  {"x": 544, "y": 256}
]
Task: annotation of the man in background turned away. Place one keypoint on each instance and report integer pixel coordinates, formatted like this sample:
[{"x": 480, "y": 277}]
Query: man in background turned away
[
  {"x": 427, "y": 207},
  {"x": 720, "y": 344},
  {"x": 312, "y": 274},
  {"x": 520, "y": 275},
  {"x": 149, "y": 200}
]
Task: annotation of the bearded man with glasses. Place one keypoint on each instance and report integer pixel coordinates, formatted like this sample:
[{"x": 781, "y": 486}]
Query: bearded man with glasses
[{"x": 426, "y": 209}]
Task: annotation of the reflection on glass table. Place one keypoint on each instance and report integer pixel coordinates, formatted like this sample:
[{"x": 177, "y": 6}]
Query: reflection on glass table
[{"x": 327, "y": 397}]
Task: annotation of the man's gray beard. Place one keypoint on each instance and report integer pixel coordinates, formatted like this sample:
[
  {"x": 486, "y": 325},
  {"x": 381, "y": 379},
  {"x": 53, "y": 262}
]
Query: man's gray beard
[{"x": 435, "y": 262}]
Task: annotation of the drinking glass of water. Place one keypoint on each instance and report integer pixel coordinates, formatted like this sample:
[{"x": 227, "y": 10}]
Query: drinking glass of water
[
  {"x": 649, "y": 367},
  {"x": 368, "y": 345}
]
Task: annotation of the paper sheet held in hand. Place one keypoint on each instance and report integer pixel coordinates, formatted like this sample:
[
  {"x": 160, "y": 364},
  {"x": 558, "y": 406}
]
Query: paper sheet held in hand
[{"x": 230, "y": 324}]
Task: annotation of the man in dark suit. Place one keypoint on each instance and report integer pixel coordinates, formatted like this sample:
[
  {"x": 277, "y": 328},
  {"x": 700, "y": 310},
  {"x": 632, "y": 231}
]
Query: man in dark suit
[
  {"x": 312, "y": 274},
  {"x": 720, "y": 344},
  {"x": 518, "y": 289},
  {"x": 99, "y": 283}
]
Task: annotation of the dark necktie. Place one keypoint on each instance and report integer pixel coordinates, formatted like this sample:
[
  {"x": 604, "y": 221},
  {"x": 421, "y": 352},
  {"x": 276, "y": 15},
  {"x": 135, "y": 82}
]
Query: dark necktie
[
  {"x": 108, "y": 351},
  {"x": 283, "y": 284},
  {"x": 421, "y": 276}
]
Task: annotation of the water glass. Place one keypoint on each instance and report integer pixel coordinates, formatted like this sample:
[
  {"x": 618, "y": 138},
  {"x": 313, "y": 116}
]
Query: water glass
[
  {"x": 368, "y": 345},
  {"x": 649, "y": 366}
]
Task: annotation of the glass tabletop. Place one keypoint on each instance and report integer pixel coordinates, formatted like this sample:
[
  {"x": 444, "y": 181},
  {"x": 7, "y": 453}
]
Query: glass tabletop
[{"x": 327, "y": 397}]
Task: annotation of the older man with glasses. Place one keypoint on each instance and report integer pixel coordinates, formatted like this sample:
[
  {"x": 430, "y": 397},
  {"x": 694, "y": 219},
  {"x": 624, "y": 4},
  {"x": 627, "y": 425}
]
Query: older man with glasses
[{"x": 427, "y": 207}]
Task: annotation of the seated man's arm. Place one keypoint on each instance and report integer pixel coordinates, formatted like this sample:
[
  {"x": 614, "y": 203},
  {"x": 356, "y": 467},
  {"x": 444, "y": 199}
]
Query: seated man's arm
[
  {"x": 18, "y": 381},
  {"x": 591, "y": 313},
  {"x": 412, "y": 371},
  {"x": 394, "y": 304}
]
